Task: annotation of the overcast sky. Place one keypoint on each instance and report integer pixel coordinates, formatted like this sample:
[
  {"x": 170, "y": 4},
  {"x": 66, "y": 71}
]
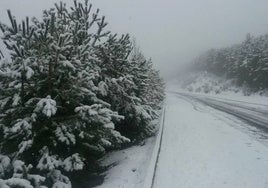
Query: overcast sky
[{"x": 171, "y": 32}]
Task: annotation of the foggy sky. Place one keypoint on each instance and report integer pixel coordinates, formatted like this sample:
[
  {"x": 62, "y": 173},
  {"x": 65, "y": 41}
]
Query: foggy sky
[{"x": 171, "y": 32}]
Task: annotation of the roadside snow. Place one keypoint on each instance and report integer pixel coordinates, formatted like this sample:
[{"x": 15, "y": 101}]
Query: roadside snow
[
  {"x": 201, "y": 150},
  {"x": 133, "y": 167},
  {"x": 207, "y": 84},
  {"x": 254, "y": 98},
  {"x": 234, "y": 97},
  {"x": 202, "y": 147},
  {"x": 129, "y": 166}
]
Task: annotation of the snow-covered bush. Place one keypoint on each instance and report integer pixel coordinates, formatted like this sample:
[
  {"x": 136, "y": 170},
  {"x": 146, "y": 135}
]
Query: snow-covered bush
[
  {"x": 130, "y": 84},
  {"x": 51, "y": 111},
  {"x": 16, "y": 174},
  {"x": 66, "y": 92}
]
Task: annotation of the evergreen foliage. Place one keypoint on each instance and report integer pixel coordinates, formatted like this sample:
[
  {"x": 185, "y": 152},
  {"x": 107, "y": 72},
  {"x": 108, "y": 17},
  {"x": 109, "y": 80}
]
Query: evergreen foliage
[
  {"x": 246, "y": 63},
  {"x": 69, "y": 92},
  {"x": 133, "y": 87}
]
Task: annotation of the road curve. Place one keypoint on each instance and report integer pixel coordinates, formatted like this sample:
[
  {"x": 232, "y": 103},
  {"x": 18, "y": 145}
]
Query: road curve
[
  {"x": 200, "y": 150},
  {"x": 254, "y": 114}
]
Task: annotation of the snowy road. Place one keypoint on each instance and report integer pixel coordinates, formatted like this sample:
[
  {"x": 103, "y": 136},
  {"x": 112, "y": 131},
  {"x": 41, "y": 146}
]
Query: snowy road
[
  {"x": 252, "y": 113},
  {"x": 203, "y": 146}
]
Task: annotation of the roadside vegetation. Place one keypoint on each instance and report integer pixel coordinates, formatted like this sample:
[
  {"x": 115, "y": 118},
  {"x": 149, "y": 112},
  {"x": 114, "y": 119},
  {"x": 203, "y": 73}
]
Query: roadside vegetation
[
  {"x": 70, "y": 91},
  {"x": 245, "y": 63}
]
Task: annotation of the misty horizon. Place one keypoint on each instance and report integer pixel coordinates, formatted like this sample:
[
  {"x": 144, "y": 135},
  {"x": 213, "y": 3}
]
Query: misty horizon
[{"x": 172, "y": 33}]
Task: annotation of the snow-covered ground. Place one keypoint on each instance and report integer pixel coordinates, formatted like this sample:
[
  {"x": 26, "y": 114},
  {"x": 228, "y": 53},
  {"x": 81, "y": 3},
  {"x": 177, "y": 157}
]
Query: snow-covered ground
[
  {"x": 203, "y": 147},
  {"x": 209, "y": 85},
  {"x": 129, "y": 166},
  {"x": 133, "y": 167},
  {"x": 212, "y": 85}
]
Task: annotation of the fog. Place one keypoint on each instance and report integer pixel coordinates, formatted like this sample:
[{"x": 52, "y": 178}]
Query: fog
[{"x": 171, "y": 32}]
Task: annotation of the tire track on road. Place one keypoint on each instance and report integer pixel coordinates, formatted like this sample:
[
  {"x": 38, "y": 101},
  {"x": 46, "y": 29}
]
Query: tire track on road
[{"x": 251, "y": 119}]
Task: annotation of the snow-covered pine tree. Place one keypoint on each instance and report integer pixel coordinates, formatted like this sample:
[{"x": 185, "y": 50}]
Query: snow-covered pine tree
[
  {"x": 246, "y": 63},
  {"x": 149, "y": 87},
  {"x": 149, "y": 83},
  {"x": 125, "y": 82},
  {"x": 117, "y": 82},
  {"x": 156, "y": 90},
  {"x": 52, "y": 118}
]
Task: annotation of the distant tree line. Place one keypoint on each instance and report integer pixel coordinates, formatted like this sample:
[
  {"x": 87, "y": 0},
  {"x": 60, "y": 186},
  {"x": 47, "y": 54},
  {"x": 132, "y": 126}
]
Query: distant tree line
[
  {"x": 246, "y": 63},
  {"x": 71, "y": 91}
]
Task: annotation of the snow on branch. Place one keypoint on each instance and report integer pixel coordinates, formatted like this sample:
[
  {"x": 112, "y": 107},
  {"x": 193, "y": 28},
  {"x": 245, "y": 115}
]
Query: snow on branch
[{"x": 47, "y": 106}]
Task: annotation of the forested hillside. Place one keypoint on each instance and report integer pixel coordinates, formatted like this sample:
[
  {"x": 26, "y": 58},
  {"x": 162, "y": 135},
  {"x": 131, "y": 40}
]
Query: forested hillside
[
  {"x": 70, "y": 91},
  {"x": 246, "y": 63}
]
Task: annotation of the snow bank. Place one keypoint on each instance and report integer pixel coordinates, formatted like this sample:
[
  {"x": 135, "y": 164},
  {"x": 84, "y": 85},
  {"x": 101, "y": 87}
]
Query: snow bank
[
  {"x": 204, "y": 82},
  {"x": 208, "y": 84},
  {"x": 133, "y": 167}
]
